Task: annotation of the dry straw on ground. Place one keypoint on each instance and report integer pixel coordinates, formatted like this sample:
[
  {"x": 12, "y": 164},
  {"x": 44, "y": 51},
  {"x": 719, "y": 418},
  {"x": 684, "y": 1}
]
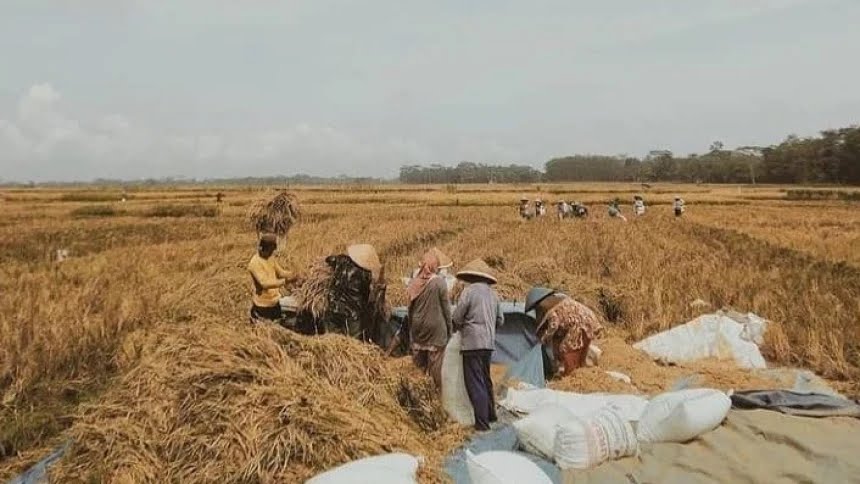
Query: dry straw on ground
[{"x": 218, "y": 403}]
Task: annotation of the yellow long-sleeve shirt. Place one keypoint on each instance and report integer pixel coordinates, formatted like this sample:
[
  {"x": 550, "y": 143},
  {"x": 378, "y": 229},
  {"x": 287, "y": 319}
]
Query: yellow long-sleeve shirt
[{"x": 268, "y": 277}]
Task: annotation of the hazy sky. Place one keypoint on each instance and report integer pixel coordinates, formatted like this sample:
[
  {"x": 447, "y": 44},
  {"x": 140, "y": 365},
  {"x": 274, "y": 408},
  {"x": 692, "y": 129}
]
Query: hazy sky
[{"x": 129, "y": 89}]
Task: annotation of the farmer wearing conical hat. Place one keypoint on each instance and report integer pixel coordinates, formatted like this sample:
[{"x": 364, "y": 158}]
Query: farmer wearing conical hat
[
  {"x": 565, "y": 325},
  {"x": 429, "y": 316},
  {"x": 638, "y": 205},
  {"x": 476, "y": 316},
  {"x": 268, "y": 278},
  {"x": 525, "y": 211},
  {"x": 678, "y": 206},
  {"x": 356, "y": 296}
]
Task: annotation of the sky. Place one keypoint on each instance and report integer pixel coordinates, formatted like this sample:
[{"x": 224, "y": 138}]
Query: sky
[{"x": 215, "y": 88}]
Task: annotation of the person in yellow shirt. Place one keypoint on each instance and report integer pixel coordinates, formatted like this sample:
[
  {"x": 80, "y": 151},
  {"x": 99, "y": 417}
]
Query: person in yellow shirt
[{"x": 268, "y": 277}]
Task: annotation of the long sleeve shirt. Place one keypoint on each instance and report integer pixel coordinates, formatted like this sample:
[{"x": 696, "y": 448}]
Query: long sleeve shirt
[
  {"x": 268, "y": 277},
  {"x": 430, "y": 315},
  {"x": 476, "y": 316}
]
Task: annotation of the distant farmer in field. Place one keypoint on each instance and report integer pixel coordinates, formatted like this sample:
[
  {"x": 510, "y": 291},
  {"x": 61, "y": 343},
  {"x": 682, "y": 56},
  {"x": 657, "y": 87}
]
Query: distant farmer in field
[
  {"x": 580, "y": 210},
  {"x": 219, "y": 197},
  {"x": 540, "y": 208},
  {"x": 564, "y": 210},
  {"x": 525, "y": 210},
  {"x": 638, "y": 206},
  {"x": 615, "y": 210},
  {"x": 565, "y": 325},
  {"x": 429, "y": 317},
  {"x": 354, "y": 297},
  {"x": 678, "y": 206},
  {"x": 476, "y": 316},
  {"x": 268, "y": 277}
]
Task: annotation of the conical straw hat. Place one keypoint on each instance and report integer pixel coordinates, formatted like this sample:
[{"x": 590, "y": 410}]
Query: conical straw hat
[
  {"x": 364, "y": 255},
  {"x": 479, "y": 268},
  {"x": 445, "y": 262}
]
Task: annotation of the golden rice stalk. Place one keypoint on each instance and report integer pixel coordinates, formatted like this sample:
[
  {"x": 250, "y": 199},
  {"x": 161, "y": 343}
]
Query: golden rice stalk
[
  {"x": 313, "y": 293},
  {"x": 274, "y": 214},
  {"x": 218, "y": 402}
]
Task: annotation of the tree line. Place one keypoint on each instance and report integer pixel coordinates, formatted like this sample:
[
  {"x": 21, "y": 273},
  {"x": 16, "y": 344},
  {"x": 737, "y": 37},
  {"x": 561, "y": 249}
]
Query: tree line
[{"x": 832, "y": 157}]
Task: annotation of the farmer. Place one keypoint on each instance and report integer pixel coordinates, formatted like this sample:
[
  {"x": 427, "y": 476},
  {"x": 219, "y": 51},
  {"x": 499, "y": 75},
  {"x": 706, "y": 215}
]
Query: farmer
[
  {"x": 525, "y": 211},
  {"x": 355, "y": 298},
  {"x": 638, "y": 206},
  {"x": 429, "y": 317},
  {"x": 580, "y": 210},
  {"x": 564, "y": 210},
  {"x": 615, "y": 210},
  {"x": 678, "y": 206},
  {"x": 540, "y": 208},
  {"x": 565, "y": 325},
  {"x": 268, "y": 277},
  {"x": 476, "y": 316}
]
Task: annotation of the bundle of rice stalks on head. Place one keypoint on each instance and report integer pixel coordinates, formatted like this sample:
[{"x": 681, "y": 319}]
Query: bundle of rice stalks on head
[
  {"x": 274, "y": 214},
  {"x": 235, "y": 404},
  {"x": 313, "y": 293}
]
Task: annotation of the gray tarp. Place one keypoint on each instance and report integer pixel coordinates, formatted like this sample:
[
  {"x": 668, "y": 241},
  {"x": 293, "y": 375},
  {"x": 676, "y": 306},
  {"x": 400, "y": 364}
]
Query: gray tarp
[
  {"x": 796, "y": 403},
  {"x": 752, "y": 446}
]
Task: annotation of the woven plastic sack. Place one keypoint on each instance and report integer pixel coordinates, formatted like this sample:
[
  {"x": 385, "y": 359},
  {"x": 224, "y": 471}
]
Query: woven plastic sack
[
  {"x": 455, "y": 399},
  {"x": 585, "y": 443},
  {"x": 381, "y": 469},
  {"x": 501, "y": 467},
  {"x": 683, "y": 415},
  {"x": 536, "y": 432}
]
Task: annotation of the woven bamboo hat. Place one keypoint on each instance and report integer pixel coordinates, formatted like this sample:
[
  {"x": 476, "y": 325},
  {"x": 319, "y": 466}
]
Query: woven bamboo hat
[
  {"x": 364, "y": 256},
  {"x": 478, "y": 268}
]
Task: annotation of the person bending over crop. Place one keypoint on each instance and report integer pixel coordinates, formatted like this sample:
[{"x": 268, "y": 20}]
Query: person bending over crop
[
  {"x": 429, "y": 316},
  {"x": 355, "y": 297},
  {"x": 268, "y": 277},
  {"x": 564, "y": 324},
  {"x": 476, "y": 316}
]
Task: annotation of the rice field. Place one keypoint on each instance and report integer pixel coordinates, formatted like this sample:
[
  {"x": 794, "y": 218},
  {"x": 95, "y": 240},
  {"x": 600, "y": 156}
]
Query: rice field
[{"x": 169, "y": 261}]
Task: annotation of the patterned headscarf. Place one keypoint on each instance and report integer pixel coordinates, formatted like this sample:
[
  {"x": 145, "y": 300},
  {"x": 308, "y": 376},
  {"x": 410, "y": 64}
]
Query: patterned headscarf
[{"x": 429, "y": 268}]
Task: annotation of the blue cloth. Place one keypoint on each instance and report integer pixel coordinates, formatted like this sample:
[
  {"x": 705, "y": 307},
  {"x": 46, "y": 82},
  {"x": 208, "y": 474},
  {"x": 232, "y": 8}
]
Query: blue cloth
[
  {"x": 39, "y": 472},
  {"x": 530, "y": 368}
]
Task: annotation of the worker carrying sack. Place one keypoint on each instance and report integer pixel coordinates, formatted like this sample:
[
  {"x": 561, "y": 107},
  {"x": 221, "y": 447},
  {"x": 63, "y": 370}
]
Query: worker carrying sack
[
  {"x": 585, "y": 443},
  {"x": 501, "y": 467},
  {"x": 455, "y": 399},
  {"x": 683, "y": 415}
]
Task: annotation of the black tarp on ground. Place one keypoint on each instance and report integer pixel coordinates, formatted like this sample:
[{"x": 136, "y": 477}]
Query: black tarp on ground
[{"x": 796, "y": 403}]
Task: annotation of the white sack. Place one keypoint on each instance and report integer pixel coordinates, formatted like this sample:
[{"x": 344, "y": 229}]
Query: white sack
[
  {"x": 582, "y": 444},
  {"x": 709, "y": 336},
  {"x": 537, "y": 430},
  {"x": 455, "y": 399},
  {"x": 683, "y": 415},
  {"x": 381, "y": 469},
  {"x": 582, "y": 405},
  {"x": 500, "y": 467}
]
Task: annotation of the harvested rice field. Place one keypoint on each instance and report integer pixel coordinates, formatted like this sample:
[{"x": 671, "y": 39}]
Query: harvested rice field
[{"x": 137, "y": 348}]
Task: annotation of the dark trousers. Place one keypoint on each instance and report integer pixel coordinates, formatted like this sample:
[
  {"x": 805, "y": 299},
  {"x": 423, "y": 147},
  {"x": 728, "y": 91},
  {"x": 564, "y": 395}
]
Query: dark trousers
[
  {"x": 261, "y": 314},
  {"x": 479, "y": 386}
]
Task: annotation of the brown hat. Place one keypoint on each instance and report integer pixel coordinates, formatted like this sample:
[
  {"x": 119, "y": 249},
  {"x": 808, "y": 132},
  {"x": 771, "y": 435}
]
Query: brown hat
[
  {"x": 478, "y": 268},
  {"x": 364, "y": 256},
  {"x": 445, "y": 262}
]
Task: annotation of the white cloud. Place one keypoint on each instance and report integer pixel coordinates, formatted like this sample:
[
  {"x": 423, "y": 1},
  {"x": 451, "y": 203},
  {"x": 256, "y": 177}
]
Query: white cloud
[{"x": 43, "y": 142}]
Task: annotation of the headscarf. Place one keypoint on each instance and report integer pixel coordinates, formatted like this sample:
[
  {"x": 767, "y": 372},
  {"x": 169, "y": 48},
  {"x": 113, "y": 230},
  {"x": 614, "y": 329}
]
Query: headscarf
[{"x": 429, "y": 267}]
